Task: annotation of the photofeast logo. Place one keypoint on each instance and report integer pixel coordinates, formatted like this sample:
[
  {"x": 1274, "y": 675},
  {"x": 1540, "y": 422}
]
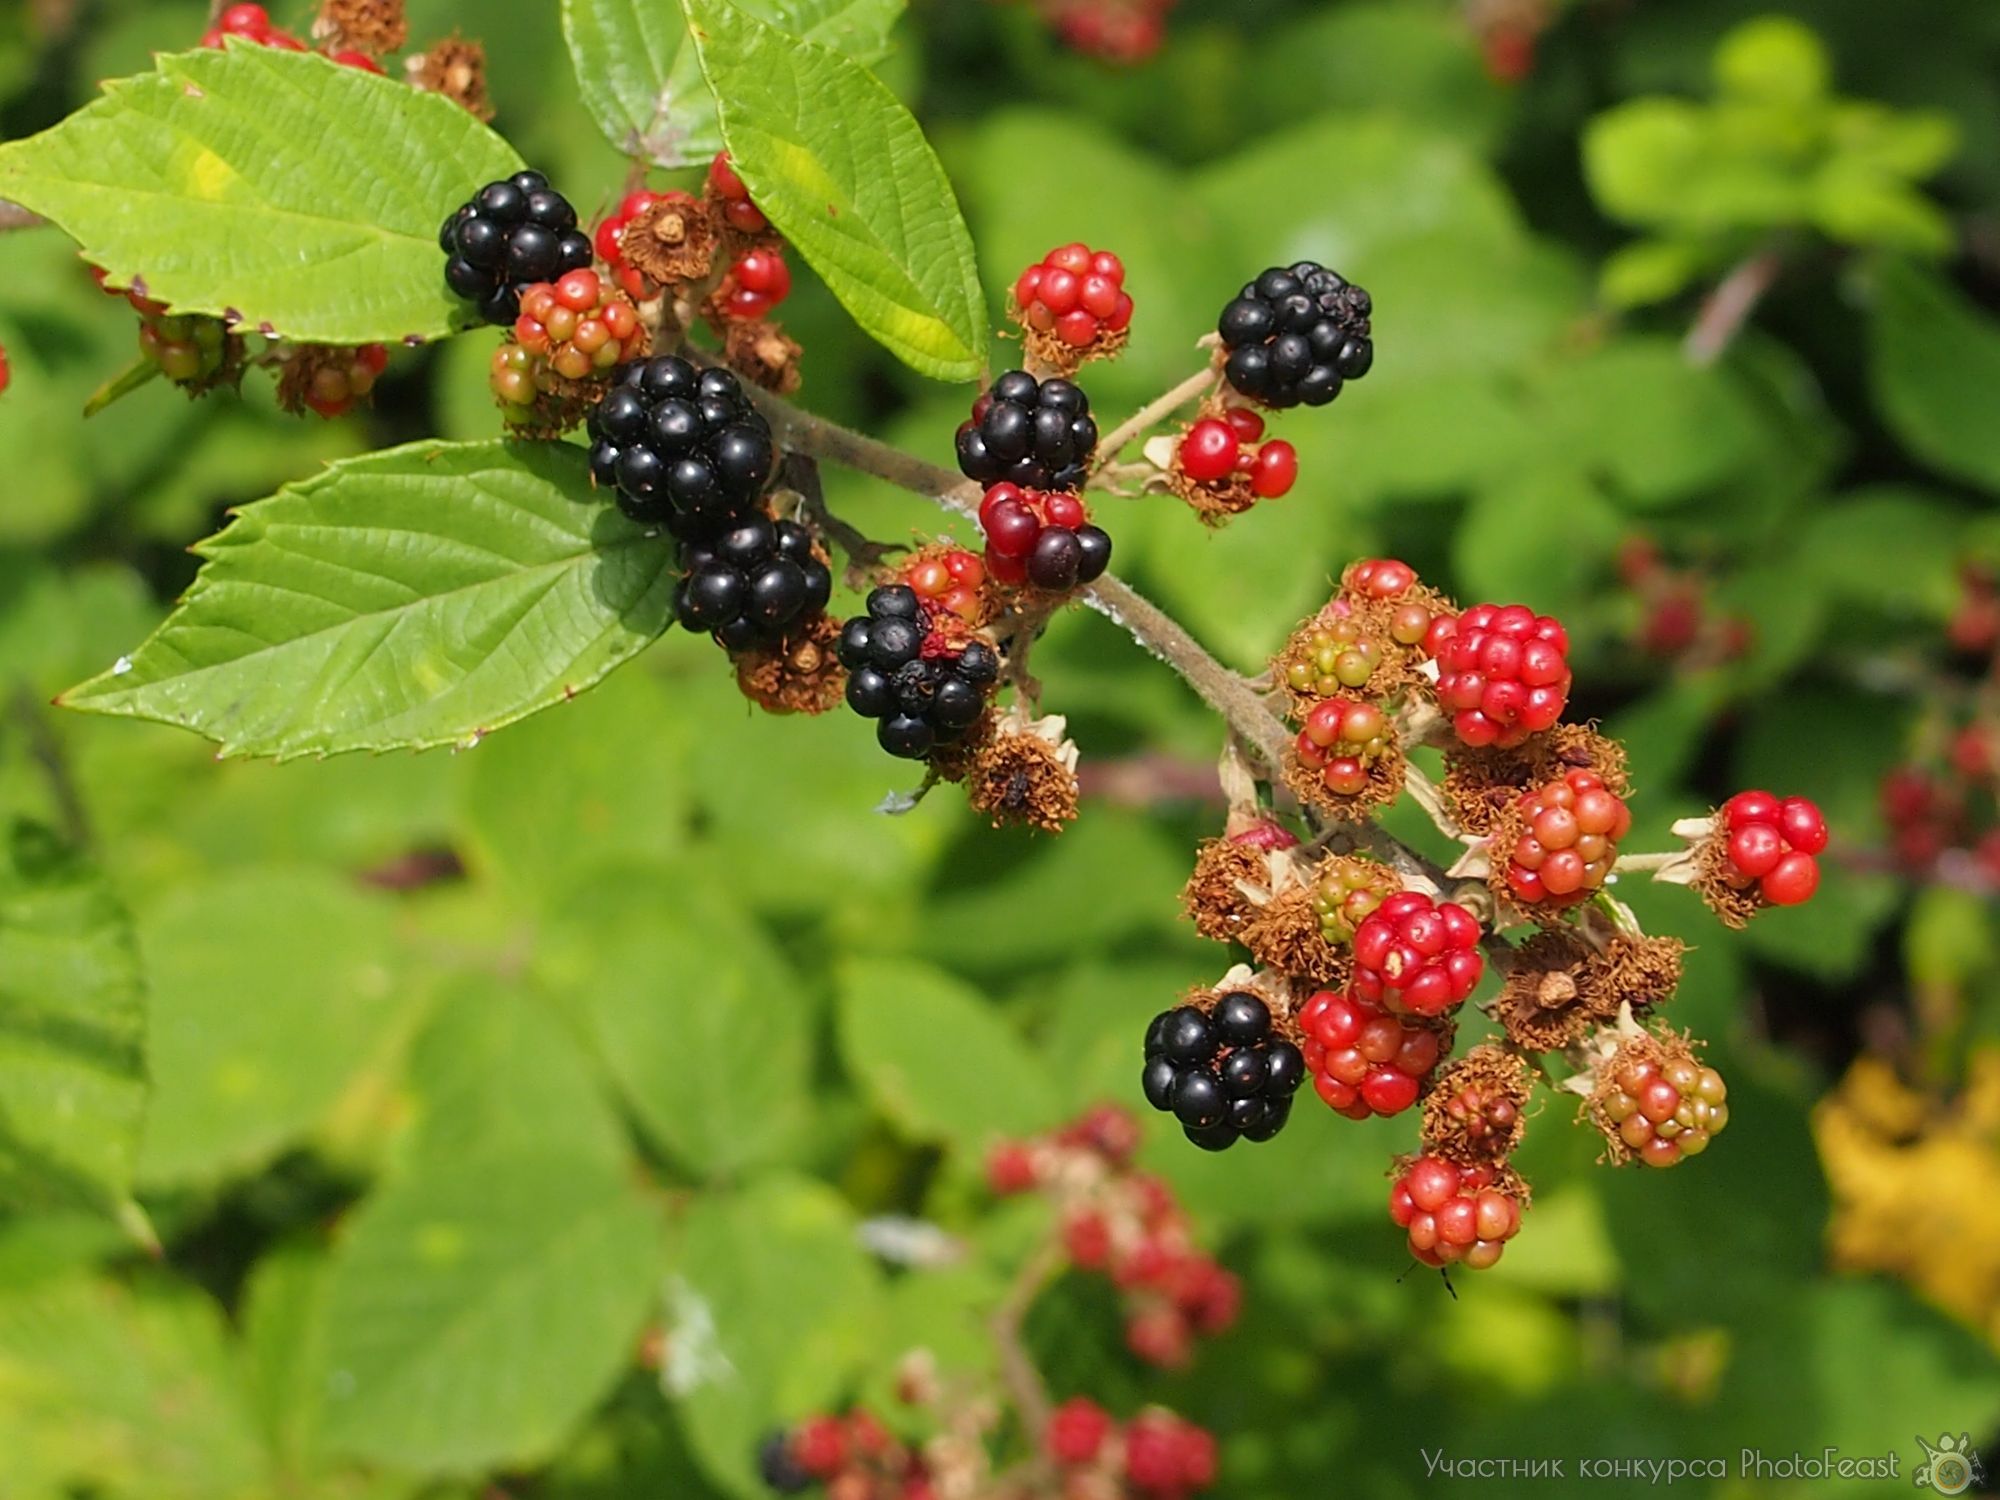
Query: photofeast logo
[{"x": 1951, "y": 1466}]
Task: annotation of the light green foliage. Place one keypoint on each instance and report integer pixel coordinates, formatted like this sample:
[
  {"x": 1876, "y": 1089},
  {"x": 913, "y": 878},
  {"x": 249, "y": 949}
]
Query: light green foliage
[
  {"x": 1774, "y": 150},
  {"x": 519, "y": 1117}
]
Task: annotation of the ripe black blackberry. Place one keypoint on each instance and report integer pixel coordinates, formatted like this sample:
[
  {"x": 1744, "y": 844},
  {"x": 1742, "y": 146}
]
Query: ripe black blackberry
[
  {"x": 752, "y": 584},
  {"x": 1295, "y": 335},
  {"x": 1222, "y": 1074},
  {"x": 777, "y": 1467},
  {"x": 683, "y": 447},
  {"x": 920, "y": 701},
  {"x": 1037, "y": 434},
  {"x": 512, "y": 233}
]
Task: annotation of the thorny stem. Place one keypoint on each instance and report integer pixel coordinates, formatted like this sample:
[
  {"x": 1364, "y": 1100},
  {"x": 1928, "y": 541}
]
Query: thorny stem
[{"x": 1154, "y": 412}]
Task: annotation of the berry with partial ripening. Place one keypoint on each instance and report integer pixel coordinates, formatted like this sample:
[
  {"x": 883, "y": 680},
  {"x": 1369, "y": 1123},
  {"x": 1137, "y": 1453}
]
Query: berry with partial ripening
[
  {"x": 755, "y": 284},
  {"x": 1664, "y": 1109},
  {"x": 778, "y": 1468},
  {"x": 1365, "y": 1061},
  {"x": 1341, "y": 739},
  {"x": 1569, "y": 839},
  {"x": 1167, "y": 1458},
  {"x": 923, "y": 691},
  {"x": 1295, "y": 335},
  {"x": 1224, "y": 1074},
  {"x": 1076, "y": 1431},
  {"x": 737, "y": 210},
  {"x": 1503, "y": 673},
  {"x": 1347, "y": 892},
  {"x": 1037, "y": 434},
  {"x": 1041, "y": 538},
  {"x": 753, "y": 584},
  {"x": 581, "y": 325},
  {"x": 341, "y": 377},
  {"x": 1455, "y": 1215},
  {"x": 1339, "y": 656},
  {"x": 1075, "y": 293},
  {"x": 510, "y": 235},
  {"x": 1417, "y": 956},
  {"x": 948, "y": 582},
  {"x": 681, "y": 446},
  {"x": 1773, "y": 845}
]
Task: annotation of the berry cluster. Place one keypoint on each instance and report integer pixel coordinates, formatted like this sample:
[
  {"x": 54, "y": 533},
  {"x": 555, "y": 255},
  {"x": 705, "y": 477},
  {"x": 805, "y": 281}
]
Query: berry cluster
[
  {"x": 1126, "y": 1224},
  {"x": 1077, "y": 295},
  {"x": 1568, "y": 840},
  {"x": 1503, "y": 673},
  {"x": 1677, "y": 620},
  {"x": 1042, "y": 538},
  {"x": 510, "y": 235},
  {"x": 251, "y": 23},
  {"x": 1341, "y": 740},
  {"x": 948, "y": 581},
  {"x": 1037, "y": 434},
  {"x": 738, "y": 212},
  {"x": 327, "y": 379},
  {"x": 1771, "y": 846},
  {"x": 758, "y": 282},
  {"x": 1480, "y": 1118},
  {"x": 924, "y": 690},
  {"x": 575, "y": 330},
  {"x": 189, "y": 349},
  {"x": 1455, "y": 1214},
  {"x": 1349, "y": 891},
  {"x": 753, "y": 584},
  {"x": 682, "y": 447},
  {"x": 1664, "y": 1109},
  {"x": 1224, "y": 1074},
  {"x": 852, "y": 1455},
  {"x": 1295, "y": 335},
  {"x": 1417, "y": 956},
  {"x": 1156, "y": 1456},
  {"x": 1214, "y": 451},
  {"x": 1365, "y": 1061}
]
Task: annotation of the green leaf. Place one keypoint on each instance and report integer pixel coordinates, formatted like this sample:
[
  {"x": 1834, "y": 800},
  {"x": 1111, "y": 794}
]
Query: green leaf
[
  {"x": 1648, "y": 271},
  {"x": 251, "y": 1048},
  {"x": 72, "y": 1033},
  {"x": 702, "y": 1026},
  {"x": 774, "y": 1306},
  {"x": 1934, "y": 362},
  {"x": 642, "y": 83},
  {"x": 936, "y": 1058},
  {"x": 495, "y": 1069},
  {"x": 277, "y": 186},
  {"x": 1889, "y": 548},
  {"x": 416, "y": 597},
  {"x": 123, "y": 1391},
  {"x": 1640, "y": 157},
  {"x": 843, "y": 170},
  {"x": 476, "y": 1312},
  {"x": 1772, "y": 60}
]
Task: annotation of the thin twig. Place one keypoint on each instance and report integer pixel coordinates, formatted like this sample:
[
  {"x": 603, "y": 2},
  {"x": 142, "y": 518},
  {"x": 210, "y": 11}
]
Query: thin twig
[
  {"x": 1018, "y": 1374},
  {"x": 1728, "y": 307},
  {"x": 1113, "y": 442},
  {"x": 13, "y": 216}
]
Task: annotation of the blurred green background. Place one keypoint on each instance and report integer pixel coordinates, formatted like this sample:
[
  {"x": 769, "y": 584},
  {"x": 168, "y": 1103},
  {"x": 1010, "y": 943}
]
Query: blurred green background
[{"x": 466, "y": 1070}]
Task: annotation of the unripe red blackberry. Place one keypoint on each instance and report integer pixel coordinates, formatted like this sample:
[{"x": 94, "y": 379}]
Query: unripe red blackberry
[
  {"x": 948, "y": 581},
  {"x": 737, "y": 210},
  {"x": 1215, "y": 453},
  {"x": 1037, "y": 434},
  {"x": 251, "y": 23},
  {"x": 1224, "y": 1074},
  {"x": 1661, "y": 1105},
  {"x": 1341, "y": 739},
  {"x": 1347, "y": 891},
  {"x": 1503, "y": 673},
  {"x": 1167, "y": 1458},
  {"x": 1416, "y": 956},
  {"x": 1455, "y": 1215},
  {"x": 581, "y": 325},
  {"x": 1564, "y": 840},
  {"x": 1772, "y": 845},
  {"x": 1075, "y": 294},
  {"x": 757, "y": 283},
  {"x": 1077, "y": 1431},
  {"x": 1365, "y": 1061},
  {"x": 6, "y": 373},
  {"x": 1296, "y": 334}
]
